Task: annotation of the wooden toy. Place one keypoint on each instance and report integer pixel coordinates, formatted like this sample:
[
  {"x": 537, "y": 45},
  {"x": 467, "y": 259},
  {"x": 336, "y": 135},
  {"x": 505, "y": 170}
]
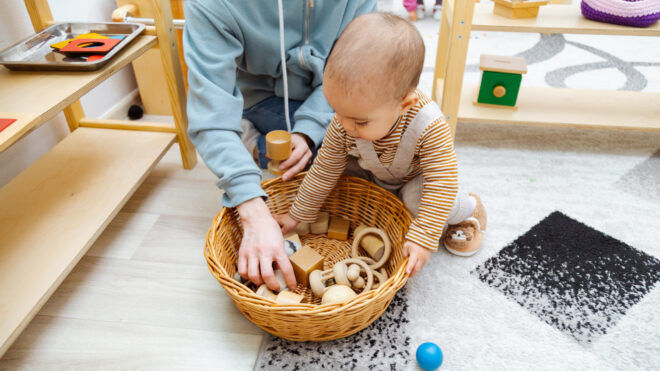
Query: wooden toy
[
  {"x": 278, "y": 149},
  {"x": 288, "y": 297},
  {"x": 4, "y": 123},
  {"x": 302, "y": 229},
  {"x": 92, "y": 35},
  {"x": 338, "y": 294},
  {"x": 500, "y": 81},
  {"x": 339, "y": 272},
  {"x": 371, "y": 243},
  {"x": 386, "y": 251},
  {"x": 98, "y": 46},
  {"x": 292, "y": 243},
  {"x": 304, "y": 262},
  {"x": 265, "y": 292},
  {"x": 338, "y": 228},
  {"x": 518, "y": 8},
  {"x": 320, "y": 226}
]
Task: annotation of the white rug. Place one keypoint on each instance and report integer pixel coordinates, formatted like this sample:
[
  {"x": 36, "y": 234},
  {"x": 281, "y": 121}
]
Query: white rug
[{"x": 567, "y": 278}]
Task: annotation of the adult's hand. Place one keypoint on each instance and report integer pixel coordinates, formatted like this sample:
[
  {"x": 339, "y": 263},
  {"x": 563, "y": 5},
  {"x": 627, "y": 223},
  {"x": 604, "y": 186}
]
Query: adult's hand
[
  {"x": 300, "y": 156},
  {"x": 262, "y": 245}
]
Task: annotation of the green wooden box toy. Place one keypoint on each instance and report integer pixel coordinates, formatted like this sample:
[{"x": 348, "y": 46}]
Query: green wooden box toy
[{"x": 500, "y": 81}]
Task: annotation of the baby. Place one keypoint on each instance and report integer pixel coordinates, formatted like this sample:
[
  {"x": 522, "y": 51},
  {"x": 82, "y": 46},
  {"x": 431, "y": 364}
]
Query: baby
[{"x": 388, "y": 132}]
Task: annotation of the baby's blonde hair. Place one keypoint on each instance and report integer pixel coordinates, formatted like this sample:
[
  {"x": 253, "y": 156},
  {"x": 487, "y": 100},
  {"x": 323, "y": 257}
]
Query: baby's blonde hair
[{"x": 377, "y": 52}]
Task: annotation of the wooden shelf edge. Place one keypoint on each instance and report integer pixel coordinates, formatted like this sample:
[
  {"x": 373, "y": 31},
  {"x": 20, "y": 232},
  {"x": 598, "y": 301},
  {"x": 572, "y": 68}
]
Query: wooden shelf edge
[
  {"x": 598, "y": 109},
  {"x": 53, "y": 212},
  {"x": 557, "y": 18},
  {"x": 88, "y": 80}
]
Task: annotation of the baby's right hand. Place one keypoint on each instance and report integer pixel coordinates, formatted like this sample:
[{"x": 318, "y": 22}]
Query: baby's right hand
[{"x": 286, "y": 222}]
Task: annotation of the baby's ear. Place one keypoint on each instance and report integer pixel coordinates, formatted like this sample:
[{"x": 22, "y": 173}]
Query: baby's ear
[{"x": 408, "y": 102}]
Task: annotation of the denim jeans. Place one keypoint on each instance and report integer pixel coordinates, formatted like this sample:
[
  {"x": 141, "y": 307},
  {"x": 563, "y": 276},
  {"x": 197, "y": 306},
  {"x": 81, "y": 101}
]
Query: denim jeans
[{"x": 268, "y": 115}]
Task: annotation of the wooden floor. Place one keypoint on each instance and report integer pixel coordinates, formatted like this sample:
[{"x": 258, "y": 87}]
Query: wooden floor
[{"x": 142, "y": 297}]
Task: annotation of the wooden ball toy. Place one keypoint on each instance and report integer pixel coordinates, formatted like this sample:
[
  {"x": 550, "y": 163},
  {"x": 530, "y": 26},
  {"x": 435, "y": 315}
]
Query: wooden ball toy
[
  {"x": 338, "y": 294},
  {"x": 518, "y": 8},
  {"x": 339, "y": 272},
  {"x": 278, "y": 149},
  {"x": 353, "y": 272},
  {"x": 500, "y": 81}
]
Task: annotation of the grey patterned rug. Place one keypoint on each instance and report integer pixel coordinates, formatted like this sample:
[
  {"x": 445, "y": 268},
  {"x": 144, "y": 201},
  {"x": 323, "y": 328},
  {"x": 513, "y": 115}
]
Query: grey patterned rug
[{"x": 568, "y": 275}]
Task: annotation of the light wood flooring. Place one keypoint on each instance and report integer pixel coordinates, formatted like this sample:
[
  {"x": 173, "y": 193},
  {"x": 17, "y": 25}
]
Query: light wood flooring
[{"x": 142, "y": 297}]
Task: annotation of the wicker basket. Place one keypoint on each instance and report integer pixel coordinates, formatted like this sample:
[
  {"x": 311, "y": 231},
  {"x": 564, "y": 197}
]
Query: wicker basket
[{"x": 355, "y": 199}]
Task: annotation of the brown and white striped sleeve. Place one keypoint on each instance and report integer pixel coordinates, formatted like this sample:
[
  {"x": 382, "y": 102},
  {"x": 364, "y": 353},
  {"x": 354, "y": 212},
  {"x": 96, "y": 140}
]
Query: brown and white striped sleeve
[
  {"x": 328, "y": 166},
  {"x": 440, "y": 171}
]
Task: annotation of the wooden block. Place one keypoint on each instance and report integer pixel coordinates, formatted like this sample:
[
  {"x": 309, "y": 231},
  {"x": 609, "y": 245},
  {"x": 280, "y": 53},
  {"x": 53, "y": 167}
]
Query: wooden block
[
  {"x": 265, "y": 292},
  {"x": 320, "y": 226},
  {"x": 292, "y": 243},
  {"x": 517, "y": 9},
  {"x": 371, "y": 243},
  {"x": 288, "y": 297},
  {"x": 302, "y": 229},
  {"x": 338, "y": 228},
  {"x": 304, "y": 262}
]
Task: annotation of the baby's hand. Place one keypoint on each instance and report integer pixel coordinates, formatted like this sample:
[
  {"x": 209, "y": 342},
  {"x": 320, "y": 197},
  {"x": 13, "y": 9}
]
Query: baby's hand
[
  {"x": 418, "y": 257},
  {"x": 286, "y": 222}
]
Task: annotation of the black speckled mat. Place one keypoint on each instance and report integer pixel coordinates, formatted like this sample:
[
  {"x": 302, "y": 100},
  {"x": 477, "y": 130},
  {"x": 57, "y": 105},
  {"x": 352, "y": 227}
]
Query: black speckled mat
[
  {"x": 571, "y": 276},
  {"x": 385, "y": 345}
]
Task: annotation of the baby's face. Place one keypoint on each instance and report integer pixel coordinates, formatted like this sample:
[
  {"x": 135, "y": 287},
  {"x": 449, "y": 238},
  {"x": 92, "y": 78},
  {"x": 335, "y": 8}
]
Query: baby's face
[{"x": 364, "y": 117}]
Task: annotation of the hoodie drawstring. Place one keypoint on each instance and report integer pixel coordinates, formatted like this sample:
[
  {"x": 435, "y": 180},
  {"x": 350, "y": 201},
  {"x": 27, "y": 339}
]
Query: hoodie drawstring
[{"x": 283, "y": 57}]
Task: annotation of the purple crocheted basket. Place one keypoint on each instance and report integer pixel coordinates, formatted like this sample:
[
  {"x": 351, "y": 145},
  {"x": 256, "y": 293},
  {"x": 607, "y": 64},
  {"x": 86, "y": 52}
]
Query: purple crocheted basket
[{"x": 637, "y": 13}]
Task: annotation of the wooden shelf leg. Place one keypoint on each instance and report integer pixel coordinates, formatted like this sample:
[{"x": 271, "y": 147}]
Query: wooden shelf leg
[
  {"x": 459, "y": 39},
  {"x": 40, "y": 15},
  {"x": 441, "y": 54},
  {"x": 169, "y": 53}
]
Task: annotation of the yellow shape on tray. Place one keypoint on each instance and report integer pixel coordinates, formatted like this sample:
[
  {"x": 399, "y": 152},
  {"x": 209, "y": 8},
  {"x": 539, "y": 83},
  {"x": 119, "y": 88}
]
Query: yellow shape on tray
[{"x": 64, "y": 43}]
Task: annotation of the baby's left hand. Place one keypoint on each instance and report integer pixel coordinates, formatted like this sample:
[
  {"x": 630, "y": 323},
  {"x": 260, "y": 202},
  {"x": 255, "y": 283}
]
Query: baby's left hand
[{"x": 418, "y": 257}]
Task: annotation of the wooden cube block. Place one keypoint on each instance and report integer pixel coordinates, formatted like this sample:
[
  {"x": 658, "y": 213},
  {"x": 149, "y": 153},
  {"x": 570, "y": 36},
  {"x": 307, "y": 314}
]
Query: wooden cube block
[
  {"x": 371, "y": 243},
  {"x": 304, "y": 262},
  {"x": 292, "y": 243},
  {"x": 320, "y": 226},
  {"x": 265, "y": 292},
  {"x": 302, "y": 229},
  {"x": 288, "y": 297},
  {"x": 338, "y": 228}
]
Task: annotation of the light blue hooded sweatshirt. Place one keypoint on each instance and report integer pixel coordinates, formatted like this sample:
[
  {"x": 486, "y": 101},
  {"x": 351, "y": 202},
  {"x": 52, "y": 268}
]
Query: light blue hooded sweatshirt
[{"x": 232, "y": 49}]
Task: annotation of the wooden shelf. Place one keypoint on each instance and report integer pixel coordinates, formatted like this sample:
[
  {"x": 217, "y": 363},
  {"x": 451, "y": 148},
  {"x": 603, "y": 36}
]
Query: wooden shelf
[
  {"x": 598, "y": 109},
  {"x": 36, "y": 96},
  {"x": 564, "y": 19},
  {"x": 52, "y": 212}
]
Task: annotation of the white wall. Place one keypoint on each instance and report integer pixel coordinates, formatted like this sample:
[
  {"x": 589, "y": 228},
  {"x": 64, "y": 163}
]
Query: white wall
[{"x": 15, "y": 25}]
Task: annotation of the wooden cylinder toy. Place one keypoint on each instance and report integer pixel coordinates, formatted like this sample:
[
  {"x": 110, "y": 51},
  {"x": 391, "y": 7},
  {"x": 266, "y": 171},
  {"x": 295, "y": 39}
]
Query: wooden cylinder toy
[
  {"x": 372, "y": 244},
  {"x": 278, "y": 149}
]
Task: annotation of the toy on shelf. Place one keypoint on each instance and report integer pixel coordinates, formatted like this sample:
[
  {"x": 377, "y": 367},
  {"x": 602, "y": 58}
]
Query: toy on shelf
[
  {"x": 320, "y": 226},
  {"x": 304, "y": 262},
  {"x": 4, "y": 123},
  {"x": 61, "y": 44},
  {"x": 278, "y": 149},
  {"x": 500, "y": 82},
  {"x": 518, "y": 8},
  {"x": 338, "y": 228},
  {"x": 640, "y": 13}
]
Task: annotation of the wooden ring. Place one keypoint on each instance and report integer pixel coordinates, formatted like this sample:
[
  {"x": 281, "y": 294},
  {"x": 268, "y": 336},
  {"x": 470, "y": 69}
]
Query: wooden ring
[{"x": 382, "y": 235}]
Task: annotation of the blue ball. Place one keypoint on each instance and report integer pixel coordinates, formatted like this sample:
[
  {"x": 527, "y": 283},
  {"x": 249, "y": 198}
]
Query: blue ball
[{"x": 429, "y": 356}]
